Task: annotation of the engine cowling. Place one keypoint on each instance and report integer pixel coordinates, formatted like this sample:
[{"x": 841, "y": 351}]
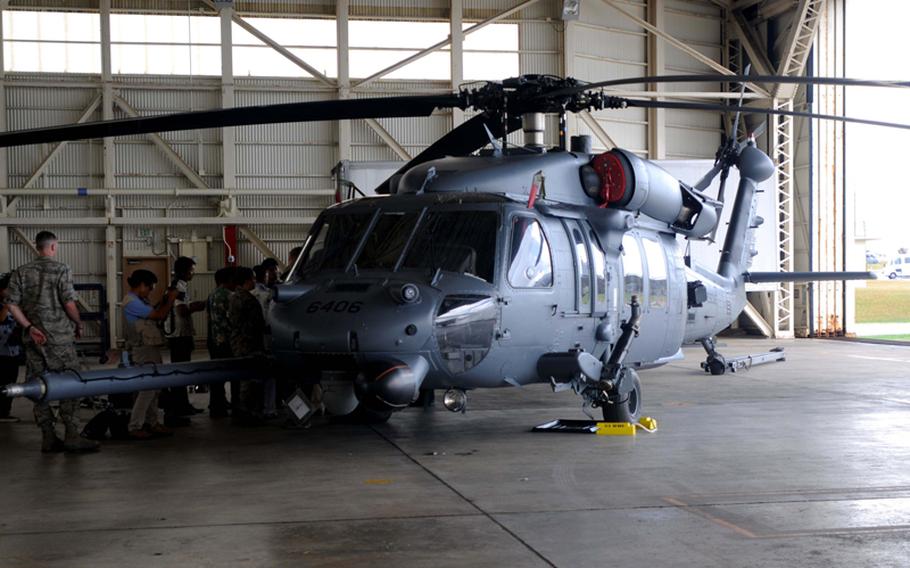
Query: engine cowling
[{"x": 622, "y": 180}]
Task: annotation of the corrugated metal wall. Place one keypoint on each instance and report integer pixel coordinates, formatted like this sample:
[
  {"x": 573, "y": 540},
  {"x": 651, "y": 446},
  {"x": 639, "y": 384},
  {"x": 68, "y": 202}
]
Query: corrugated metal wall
[{"x": 608, "y": 45}]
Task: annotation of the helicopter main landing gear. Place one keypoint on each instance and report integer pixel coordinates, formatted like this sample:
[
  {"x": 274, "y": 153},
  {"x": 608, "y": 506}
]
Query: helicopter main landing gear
[
  {"x": 717, "y": 364},
  {"x": 611, "y": 386}
]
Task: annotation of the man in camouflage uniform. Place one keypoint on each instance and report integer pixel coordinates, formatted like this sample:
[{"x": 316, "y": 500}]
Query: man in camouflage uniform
[
  {"x": 219, "y": 337},
  {"x": 42, "y": 299},
  {"x": 247, "y": 331}
]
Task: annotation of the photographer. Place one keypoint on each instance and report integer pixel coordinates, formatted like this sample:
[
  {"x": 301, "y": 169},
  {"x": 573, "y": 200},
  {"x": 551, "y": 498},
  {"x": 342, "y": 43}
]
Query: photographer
[
  {"x": 175, "y": 401},
  {"x": 144, "y": 341}
]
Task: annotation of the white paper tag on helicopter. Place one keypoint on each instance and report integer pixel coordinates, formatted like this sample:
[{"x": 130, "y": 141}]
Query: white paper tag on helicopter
[{"x": 300, "y": 406}]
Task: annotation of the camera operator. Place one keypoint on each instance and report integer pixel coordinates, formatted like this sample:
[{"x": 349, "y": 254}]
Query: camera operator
[{"x": 175, "y": 401}]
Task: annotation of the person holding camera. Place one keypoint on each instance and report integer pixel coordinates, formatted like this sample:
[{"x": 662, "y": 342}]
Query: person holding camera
[
  {"x": 144, "y": 341},
  {"x": 175, "y": 401}
]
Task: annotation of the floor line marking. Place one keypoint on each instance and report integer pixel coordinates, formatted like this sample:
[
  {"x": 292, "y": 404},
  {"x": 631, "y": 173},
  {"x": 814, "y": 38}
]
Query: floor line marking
[
  {"x": 714, "y": 519},
  {"x": 840, "y": 531},
  {"x": 464, "y": 497}
]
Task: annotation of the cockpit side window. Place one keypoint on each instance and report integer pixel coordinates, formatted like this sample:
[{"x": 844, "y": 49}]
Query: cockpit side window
[
  {"x": 456, "y": 241},
  {"x": 530, "y": 263}
]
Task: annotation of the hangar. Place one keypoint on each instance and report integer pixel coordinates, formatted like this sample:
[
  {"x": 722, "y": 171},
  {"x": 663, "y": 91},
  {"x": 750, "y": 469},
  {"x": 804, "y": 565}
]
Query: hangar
[{"x": 794, "y": 462}]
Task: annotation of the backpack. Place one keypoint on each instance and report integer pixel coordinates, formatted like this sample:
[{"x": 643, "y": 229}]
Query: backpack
[{"x": 108, "y": 419}]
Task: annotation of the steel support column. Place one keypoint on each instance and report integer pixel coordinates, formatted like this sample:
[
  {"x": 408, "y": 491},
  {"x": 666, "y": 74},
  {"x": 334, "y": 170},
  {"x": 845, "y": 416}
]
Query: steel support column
[
  {"x": 4, "y": 165},
  {"x": 228, "y": 151},
  {"x": 345, "y": 138},
  {"x": 456, "y": 36},
  {"x": 657, "y": 117},
  {"x": 111, "y": 256},
  {"x": 782, "y": 154},
  {"x": 827, "y": 221}
]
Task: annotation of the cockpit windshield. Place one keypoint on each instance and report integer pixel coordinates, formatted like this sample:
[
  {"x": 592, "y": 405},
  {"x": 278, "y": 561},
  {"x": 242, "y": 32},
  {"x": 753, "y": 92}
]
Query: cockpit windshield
[{"x": 456, "y": 241}]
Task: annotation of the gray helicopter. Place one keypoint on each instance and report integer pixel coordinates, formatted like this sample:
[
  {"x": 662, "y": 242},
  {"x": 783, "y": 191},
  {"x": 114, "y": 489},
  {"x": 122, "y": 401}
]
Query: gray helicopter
[{"x": 513, "y": 266}]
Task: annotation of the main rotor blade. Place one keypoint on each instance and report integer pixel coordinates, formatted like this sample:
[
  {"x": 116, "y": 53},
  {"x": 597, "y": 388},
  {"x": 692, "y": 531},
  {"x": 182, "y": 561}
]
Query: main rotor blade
[
  {"x": 756, "y": 110},
  {"x": 468, "y": 137},
  {"x": 720, "y": 78},
  {"x": 380, "y": 107}
]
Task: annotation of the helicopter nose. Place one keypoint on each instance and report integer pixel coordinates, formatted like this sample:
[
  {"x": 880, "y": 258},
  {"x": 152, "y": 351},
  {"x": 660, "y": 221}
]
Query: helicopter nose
[{"x": 391, "y": 383}]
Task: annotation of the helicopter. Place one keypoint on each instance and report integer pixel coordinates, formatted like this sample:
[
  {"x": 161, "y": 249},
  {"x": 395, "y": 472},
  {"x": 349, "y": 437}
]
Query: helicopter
[{"x": 485, "y": 265}]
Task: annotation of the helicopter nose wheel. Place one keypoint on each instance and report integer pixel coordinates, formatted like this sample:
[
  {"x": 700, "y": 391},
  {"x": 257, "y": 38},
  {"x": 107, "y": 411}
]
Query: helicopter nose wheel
[
  {"x": 715, "y": 366},
  {"x": 715, "y": 362},
  {"x": 627, "y": 409}
]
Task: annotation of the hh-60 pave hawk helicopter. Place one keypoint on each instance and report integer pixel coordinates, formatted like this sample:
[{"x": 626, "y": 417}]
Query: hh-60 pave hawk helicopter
[{"x": 515, "y": 266}]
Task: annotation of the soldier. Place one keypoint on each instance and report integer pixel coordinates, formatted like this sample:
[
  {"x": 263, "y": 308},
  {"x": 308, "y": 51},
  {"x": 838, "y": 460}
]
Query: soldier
[
  {"x": 10, "y": 350},
  {"x": 247, "y": 330},
  {"x": 42, "y": 299},
  {"x": 219, "y": 337}
]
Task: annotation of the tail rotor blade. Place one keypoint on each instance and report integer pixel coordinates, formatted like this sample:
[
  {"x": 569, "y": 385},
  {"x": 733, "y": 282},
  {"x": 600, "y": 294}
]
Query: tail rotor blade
[{"x": 706, "y": 180}]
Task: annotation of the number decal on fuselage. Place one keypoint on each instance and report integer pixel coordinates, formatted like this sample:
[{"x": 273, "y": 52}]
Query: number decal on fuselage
[{"x": 339, "y": 307}]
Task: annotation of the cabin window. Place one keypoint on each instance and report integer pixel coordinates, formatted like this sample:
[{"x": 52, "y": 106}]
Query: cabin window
[
  {"x": 657, "y": 273},
  {"x": 582, "y": 267},
  {"x": 530, "y": 263},
  {"x": 632, "y": 269},
  {"x": 456, "y": 241},
  {"x": 600, "y": 273},
  {"x": 386, "y": 241},
  {"x": 334, "y": 242}
]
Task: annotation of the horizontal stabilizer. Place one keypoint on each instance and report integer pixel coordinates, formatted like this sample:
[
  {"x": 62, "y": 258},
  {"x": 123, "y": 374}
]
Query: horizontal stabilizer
[{"x": 759, "y": 277}]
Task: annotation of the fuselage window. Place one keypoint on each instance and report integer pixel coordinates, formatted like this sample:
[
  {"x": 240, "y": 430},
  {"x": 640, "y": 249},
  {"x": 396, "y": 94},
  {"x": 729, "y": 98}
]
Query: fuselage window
[
  {"x": 657, "y": 273},
  {"x": 600, "y": 273},
  {"x": 530, "y": 264},
  {"x": 632, "y": 270},
  {"x": 583, "y": 268}
]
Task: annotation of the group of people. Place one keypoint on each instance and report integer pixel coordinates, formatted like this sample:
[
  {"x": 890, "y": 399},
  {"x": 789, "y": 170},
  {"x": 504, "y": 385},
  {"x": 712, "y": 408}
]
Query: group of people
[{"x": 39, "y": 318}]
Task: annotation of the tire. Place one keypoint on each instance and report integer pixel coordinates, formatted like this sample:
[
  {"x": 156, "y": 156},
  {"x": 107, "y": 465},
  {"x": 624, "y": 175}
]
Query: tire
[
  {"x": 717, "y": 367},
  {"x": 892, "y": 276},
  {"x": 630, "y": 409}
]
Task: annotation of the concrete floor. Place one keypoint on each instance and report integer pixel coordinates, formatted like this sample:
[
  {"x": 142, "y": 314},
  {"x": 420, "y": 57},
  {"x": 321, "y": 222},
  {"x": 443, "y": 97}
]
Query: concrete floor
[{"x": 803, "y": 463}]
